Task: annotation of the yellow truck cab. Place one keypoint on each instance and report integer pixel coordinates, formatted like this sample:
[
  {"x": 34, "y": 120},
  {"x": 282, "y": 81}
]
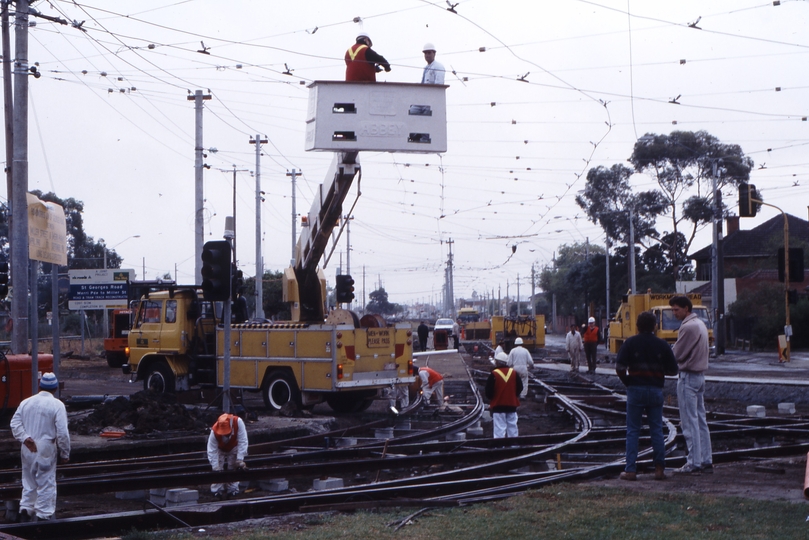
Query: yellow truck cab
[{"x": 623, "y": 325}]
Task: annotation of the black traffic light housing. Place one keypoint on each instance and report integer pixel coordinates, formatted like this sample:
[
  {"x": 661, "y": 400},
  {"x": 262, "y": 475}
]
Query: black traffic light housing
[
  {"x": 795, "y": 265},
  {"x": 216, "y": 270},
  {"x": 747, "y": 207},
  {"x": 3, "y": 279},
  {"x": 344, "y": 291}
]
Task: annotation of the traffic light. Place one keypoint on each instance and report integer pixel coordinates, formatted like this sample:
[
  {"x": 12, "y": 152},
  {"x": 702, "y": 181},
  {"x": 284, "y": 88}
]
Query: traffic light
[
  {"x": 216, "y": 270},
  {"x": 345, "y": 289},
  {"x": 747, "y": 208},
  {"x": 795, "y": 265},
  {"x": 3, "y": 279}
]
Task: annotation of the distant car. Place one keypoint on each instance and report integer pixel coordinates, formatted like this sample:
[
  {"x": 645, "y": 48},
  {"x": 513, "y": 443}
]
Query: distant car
[{"x": 445, "y": 324}]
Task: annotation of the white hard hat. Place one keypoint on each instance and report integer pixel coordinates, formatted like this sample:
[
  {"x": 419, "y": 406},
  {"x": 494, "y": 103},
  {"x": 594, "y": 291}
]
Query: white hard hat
[
  {"x": 363, "y": 35},
  {"x": 518, "y": 341},
  {"x": 428, "y": 47},
  {"x": 591, "y": 319}
]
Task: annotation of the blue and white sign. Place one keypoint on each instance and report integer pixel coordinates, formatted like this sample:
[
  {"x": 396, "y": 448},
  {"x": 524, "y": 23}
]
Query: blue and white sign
[{"x": 99, "y": 289}]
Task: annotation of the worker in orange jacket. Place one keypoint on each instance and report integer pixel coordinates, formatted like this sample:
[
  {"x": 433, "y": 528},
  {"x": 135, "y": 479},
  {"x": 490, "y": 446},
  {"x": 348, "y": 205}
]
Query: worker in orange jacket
[
  {"x": 590, "y": 339},
  {"x": 362, "y": 62},
  {"x": 432, "y": 383},
  {"x": 227, "y": 447}
]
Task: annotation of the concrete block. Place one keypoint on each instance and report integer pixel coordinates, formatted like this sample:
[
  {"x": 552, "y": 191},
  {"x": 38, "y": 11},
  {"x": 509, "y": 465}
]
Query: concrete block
[
  {"x": 475, "y": 432},
  {"x": 486, "y": 417},
  {"x": 274, "y": 486},
  {"x": 178, "y": 495},
  {"x": 786, "y": 408},
  {"x": 403, "y": 425},
  {"x": 343, "y": 442},
  {"x": 170, "y": 504},
  {"x": 459, "y": 436},
  {"x": 383, "y": 433},
  {"x": 328, "y": 483},
  {"x": 161, "y": 492},
  {"x": 157, "y": 500},
  {"x": 756, "y": 410},
  {"x": 129, "y": 495}
]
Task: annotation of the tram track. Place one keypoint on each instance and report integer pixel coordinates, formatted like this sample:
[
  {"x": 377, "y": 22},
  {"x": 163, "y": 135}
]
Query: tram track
[{"x": 412, "y": 468}]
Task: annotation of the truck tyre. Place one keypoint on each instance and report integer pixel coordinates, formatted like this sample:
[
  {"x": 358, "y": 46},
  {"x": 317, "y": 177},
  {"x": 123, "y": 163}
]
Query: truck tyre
[
  {"x": 279, "y": 389},
  {"x": 159, "y": 379}
]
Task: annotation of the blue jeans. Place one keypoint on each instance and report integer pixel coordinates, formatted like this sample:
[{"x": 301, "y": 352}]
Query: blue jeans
[
  {"x": 691, "y": 399},
  {"x": 640, "y": 399}
]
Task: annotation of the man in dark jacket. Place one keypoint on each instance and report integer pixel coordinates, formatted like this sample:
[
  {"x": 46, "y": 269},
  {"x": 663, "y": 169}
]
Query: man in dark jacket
[
  {"x": 642, "y": 364},
  {"x": 423, "y": 332},
  {"x": 362, "y": 62},
  {"x": 503, "y": 388}
]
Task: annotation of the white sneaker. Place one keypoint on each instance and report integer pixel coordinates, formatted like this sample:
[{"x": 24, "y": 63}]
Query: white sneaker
[{"x": 687, "y": 469}]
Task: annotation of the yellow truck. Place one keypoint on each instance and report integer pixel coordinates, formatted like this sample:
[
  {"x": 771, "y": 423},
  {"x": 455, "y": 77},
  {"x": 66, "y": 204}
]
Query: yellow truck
[
  {"x": 472, "y": 328},
  {"x": 623, "y": 325},
  {"x": 176, "y": 343},
  {"x": 530, "y": 329}
]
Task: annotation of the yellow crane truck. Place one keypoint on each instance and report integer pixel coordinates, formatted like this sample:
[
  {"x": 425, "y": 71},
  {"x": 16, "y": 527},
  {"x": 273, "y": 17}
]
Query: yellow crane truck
[
  {"x": 177, "y": 337},
  {"x": 623, "y": 325},
  {"x": 530, "y": 329}
]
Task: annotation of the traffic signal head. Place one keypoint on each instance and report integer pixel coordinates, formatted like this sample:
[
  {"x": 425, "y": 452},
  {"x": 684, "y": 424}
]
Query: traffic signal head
[
  {"x": 747, "y": 195},
  {"x": 344, "y": 291},
  {"x": 216, "y": 270},
  {"x": 3, "y": 279}
]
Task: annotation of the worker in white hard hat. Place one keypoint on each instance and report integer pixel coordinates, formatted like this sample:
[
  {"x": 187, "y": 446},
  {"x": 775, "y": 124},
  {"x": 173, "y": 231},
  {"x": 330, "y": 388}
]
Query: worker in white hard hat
[
  {"x": 590, "y": 338},
  {"x": 362, "y": 62},
  {"x": 520, "y": 359},
  {"x": 433, "y": 71}
]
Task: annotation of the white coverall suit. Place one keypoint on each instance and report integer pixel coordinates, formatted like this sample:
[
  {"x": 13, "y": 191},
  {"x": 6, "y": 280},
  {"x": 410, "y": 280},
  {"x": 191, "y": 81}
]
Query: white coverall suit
[
  {"x": 43, "y": 418},
  {"x": 520, "y": 359},
  {"x": 217, "y": 458}
]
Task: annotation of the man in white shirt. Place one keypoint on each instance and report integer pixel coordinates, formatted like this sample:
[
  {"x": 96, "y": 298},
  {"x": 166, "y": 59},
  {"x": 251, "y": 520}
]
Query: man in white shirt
[
  {"x": 433, "y": 71},
  {"x": 520, "y": 359}
]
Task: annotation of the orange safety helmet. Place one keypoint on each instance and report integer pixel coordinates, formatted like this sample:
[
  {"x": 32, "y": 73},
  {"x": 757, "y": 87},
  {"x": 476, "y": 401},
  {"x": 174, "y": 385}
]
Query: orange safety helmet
[{"x": 224, "y": 425}]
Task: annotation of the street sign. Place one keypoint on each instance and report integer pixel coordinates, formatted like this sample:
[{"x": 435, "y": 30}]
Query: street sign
[{"x": 99, "y": 289}]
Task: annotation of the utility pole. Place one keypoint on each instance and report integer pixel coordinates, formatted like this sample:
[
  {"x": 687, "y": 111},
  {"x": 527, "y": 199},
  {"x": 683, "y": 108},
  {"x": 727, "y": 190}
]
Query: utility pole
[
  {"x": 294, "y": 174},
  {"x": 199, "y": 222},
  {"x": 450, "y": 284},
  {"x": 19, "y": 174},
  {"x": 717, "y": 269},
  {"x": 258, "y": 141},
  {"x": 631, "y": 251},
  {"x": 533, "y": 292},
  {"x": 348, "y": 243},
  {"x": 519, "y": 307}
]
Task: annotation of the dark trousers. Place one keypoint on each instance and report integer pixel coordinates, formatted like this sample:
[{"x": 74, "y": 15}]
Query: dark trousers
[
  {"x": 590, "y": 351},
  {"x": 423, "y": 343}
]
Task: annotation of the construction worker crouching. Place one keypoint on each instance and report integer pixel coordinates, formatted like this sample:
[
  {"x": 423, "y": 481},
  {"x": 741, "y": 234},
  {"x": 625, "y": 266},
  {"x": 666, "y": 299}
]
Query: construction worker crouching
[
  {"x": 227, "y": 446},
  {"x": 432, "y": 383}
]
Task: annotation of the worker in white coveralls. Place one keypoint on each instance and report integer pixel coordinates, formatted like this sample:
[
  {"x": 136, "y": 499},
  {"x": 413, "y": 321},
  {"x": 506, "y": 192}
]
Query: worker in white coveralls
[
  {"x": 40, "y": 424},
  {"x": 227, "y": 446},
  {"x": 520, "y": 359}
]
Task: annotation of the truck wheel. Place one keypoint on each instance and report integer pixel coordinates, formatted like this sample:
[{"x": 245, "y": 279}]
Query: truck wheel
[
  {"x": 279, "y": 389},
  {"x": 159, "y": 379}
]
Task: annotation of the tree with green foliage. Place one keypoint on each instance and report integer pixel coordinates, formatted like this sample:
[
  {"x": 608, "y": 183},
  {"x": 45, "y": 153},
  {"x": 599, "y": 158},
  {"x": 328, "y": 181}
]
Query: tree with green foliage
[
  {"x": 685, "y": 165},
  {"x": 379, "y": 303}
]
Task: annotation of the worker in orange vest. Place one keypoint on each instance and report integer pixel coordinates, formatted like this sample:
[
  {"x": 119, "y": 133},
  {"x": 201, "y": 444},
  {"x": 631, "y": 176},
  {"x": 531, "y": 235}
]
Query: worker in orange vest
[
  {"x": 590, "y": 339},
  {"x": 362, "y": 62},
  {"x": 503, "y": 388},
  {"x": 432, "y": 383},
  {"x": 227, "y": 446}
]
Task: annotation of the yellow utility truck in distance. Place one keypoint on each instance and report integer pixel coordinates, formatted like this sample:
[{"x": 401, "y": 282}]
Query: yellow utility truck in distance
[
  {"x": 623, "y": 325},
  {"x": 531, "y": 330}
]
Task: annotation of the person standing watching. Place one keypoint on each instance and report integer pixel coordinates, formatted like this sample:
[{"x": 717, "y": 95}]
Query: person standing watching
[
  {"x": 424, "y": 332},
  {"x": 432, "y": 383},
  {"x": 362, "y": 62},
  {"x": 643, "y": 362},
  {"x": 691, "y": 351},
  {"x": 227, "y": 446},
  {"x": 520, "y": 359},
  {"x": 40, "y": 424},
  {"x": 433, "y": 71},
  {"x": 503, "y": 389},
  {"x": 590, "y": 339},
  {"x": 574, "y": 347}
]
